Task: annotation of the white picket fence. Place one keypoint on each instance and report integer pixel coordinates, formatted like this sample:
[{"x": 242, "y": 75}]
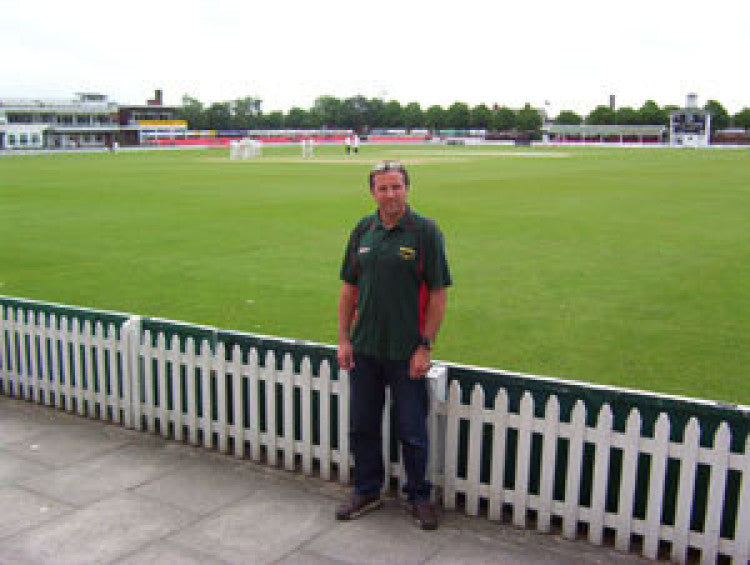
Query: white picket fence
[{"x": 208, "y": 396}]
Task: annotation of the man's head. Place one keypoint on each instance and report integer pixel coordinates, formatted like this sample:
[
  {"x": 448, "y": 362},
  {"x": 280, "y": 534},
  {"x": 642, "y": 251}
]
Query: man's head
[
  {"x": 389, "y": 165},
  {"x": 389, "y": 186}
]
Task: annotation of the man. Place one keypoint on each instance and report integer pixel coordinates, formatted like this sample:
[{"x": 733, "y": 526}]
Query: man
[{"x": 395, "y": 276}]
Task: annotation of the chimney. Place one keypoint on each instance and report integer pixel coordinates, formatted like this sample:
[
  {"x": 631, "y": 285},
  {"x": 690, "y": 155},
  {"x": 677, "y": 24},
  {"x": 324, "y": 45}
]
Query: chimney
[
  {"x": 612, "y": 102},
  {"x": 692, "y": 100},
  {"x": 157, "y": 99}
]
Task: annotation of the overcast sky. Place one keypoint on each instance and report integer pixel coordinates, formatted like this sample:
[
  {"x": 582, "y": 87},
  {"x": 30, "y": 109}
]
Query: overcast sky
[{"x": 572, "y": 53}]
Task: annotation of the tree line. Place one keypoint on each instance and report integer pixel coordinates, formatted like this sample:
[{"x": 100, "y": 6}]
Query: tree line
[{"x": 364, "y": 114}]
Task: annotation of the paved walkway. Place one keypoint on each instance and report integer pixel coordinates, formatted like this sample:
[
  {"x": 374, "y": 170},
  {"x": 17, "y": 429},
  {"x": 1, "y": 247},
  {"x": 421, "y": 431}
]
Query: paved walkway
[{"x": 80, "y": 491}]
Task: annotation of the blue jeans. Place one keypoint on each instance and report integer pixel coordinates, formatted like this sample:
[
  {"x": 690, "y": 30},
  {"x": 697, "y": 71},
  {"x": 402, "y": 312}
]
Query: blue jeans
[{"x": 369, "y": 378}]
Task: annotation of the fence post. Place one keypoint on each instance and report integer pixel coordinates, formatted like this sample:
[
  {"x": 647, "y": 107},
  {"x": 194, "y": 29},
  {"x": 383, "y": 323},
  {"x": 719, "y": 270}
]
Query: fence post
[
  {"x": 437, "y": 385},
  {"x": 130, "y": 335}
]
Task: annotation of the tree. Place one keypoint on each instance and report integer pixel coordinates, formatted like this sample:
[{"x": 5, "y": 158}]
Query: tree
[
  {"x": 529, "y": 119},
  {"x": 458, "y": 116},
  {"x": 742, "y": 118},
  {"x": 393, "y": 114},
  {"x": 193, "y": 112},
  {"x": 245, "y": 112},
  {"x": 327, "y": 111},
  {"x": 219, "y": 116},
  {"x": 568, "y": 118},
  {"x": 296, "y": 118},
  {"x": 274, "y": 120},
  {"x": 354, "y": 113},
  {"x": 719, "y": 115},
  {"x": 504, "y": 119},
  {"x": 651, "y": 114},
  {"x": 481, "y": 117},
  {"x": 375, "y": 113},
  {"x": 413, "y": 115},
  {"x": 627, "y": 116},
  {"x": 601, "y": 115},
  {"x": 434, "y": 117}
]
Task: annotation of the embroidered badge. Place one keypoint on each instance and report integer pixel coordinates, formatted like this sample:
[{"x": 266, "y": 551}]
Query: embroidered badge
[{"x": 407, "y": 253}]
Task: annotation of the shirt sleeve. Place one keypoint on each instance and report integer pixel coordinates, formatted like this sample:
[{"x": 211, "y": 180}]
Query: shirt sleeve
[
  {"x": 436, "y": 271},
  {"x": 350, "y": 264}
]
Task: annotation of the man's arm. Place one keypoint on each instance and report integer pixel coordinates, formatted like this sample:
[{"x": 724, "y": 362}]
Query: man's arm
[
  {"x": 347, "y": 309},
  {"x": 419, "y": 363}
]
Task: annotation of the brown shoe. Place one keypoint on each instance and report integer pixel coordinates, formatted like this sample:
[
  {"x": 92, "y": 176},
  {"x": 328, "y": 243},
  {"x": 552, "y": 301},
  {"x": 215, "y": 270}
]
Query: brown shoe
[
  {"x": 357, "y": 505},
  {"x": 424, "y": 512}
]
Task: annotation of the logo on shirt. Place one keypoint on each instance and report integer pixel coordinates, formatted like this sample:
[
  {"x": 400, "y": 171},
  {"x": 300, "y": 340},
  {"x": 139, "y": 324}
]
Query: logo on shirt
[
  {"x": 364, "y": 249},
  {"x": 407, "y": 253}
]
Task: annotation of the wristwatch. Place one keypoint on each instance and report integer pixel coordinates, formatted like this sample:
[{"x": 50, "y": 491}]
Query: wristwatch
[{"x": 424, "y": 342}]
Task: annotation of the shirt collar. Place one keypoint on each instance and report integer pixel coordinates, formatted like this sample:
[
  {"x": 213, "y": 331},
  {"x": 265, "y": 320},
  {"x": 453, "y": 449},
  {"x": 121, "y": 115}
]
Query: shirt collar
[{"x": 400, "y": 224}]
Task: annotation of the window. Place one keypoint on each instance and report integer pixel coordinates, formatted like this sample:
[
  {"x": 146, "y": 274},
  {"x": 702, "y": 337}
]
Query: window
[
  {"x": 35, "y": 139},
  {"x": 66, "y": 119},
  {"x": 23, "y": 139},
  {"x": 11, "y": 139}
]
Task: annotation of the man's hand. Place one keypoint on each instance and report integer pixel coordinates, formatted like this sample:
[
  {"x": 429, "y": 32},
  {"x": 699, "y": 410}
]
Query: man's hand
[
  {"x": 345, "y": 355},
  {"x": 419, "y": 363}
]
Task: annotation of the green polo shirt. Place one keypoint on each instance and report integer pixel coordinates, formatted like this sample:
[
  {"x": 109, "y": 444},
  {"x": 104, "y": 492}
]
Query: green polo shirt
[{"x": 392, "y": 267}]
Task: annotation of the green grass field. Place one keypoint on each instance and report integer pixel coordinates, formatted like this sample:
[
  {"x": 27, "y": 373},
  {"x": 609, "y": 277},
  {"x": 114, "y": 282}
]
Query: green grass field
[{"x": 615, "y": 266}]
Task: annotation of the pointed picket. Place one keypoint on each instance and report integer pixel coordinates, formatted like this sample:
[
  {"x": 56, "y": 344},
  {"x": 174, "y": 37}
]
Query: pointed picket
[
  {"x": 523, "y": 460},
  {"x": 253, "y": 386},
  {"x": 344, "y": 454},
  {"x": 686, "y": 490},
  {"x": 287, "y": 375},
  {"x": 18, "y": 352},
  {"x": 222, "y": 418},
  {"x": 238, "y": 404},
  {"x": 111, "y": 367},
  {"x": 474, "y": 454},
  {"x": 5, "y": 374},
  {"x": 602, "y": 443},
  {"x": 499, "y": 439},
  {"x": 191, "y": 366},
  {"x": 66, "y": 361},
  {"x": 549, "y": 462},
  {"x": 35, "y": 390},
  {"x": 56, "y": 361},
  {"x": 206, "y": 396},
  {"x": 324, "y": 377},
  {"x": 573, "y": 474},
  {"x": 657, "y": 477},
  {"x": 177, "y": 400},
  {"x": 161, "y": 378},
  {"x": 452, "y": 415},
  {"x": 101, "y": 375},
  {"x": 41, "y": 331},
  {"x": 78, "y": 343},
  {"x": 306, "y": 384},
  {"x": 716, "y": 492},
  {"x": 268, "y": 374},
  {"x": 630, "y": 454},
  {"x": 89, "y": 364},
  {"x": 741, "y": 552}
]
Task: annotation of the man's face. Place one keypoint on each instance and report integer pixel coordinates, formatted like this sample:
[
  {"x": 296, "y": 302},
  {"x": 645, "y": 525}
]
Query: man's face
[{"x": 389, "y": 191}]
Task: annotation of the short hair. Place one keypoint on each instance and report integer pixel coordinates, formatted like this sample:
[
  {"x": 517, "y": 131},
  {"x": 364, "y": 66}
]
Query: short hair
[{"x": 386, "y": 166}]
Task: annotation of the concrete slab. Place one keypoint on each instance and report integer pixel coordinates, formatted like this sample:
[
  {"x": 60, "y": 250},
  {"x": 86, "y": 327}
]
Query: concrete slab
[
  {"x": 261, "y": 528},
  {"x": 15, "y": 468},
  {"x": 168, "y": 553},
  {"x": 96, "y": 534},
  {"x": 63, "y": 445},
  {"x": 387, "y": 535},
  {"x": 104, "y": 475},
  {"x": 22, "y": 509},
  {"x": 202, "y": 486}
]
